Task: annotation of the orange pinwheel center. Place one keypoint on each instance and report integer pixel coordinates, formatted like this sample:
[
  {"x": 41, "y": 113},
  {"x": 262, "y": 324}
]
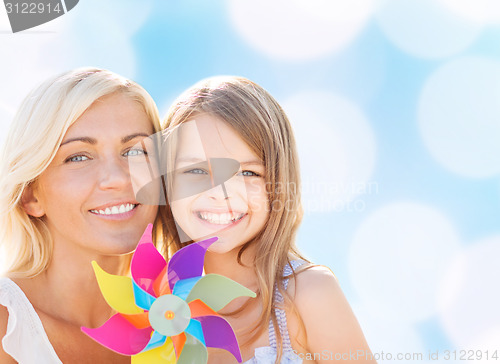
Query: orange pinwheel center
[{"x": 169, "y": 315}]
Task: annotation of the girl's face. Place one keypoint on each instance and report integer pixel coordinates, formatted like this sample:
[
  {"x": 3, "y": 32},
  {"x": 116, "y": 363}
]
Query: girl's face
[
  {"x": 236, "y": 210},
  {"x": 85, "y": 195}
]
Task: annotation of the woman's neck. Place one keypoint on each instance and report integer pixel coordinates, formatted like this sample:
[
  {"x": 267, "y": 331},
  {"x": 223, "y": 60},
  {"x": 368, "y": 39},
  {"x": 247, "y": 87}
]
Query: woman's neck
[{"x": 68, "y": 291}]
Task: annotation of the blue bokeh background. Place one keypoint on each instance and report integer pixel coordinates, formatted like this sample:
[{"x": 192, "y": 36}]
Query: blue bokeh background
[{"x": 396, "y": 107}]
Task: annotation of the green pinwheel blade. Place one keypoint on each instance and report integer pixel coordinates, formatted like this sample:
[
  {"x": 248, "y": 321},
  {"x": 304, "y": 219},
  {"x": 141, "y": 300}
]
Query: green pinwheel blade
[
  {"x": 193, "y": 352},
  {"x": 217, "y": 291}
]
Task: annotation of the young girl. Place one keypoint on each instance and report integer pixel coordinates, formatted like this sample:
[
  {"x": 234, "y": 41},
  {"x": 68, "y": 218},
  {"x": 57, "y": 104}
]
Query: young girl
[
  {"x": 235, "y": 175},
  {"x": 66, "y": 199}
]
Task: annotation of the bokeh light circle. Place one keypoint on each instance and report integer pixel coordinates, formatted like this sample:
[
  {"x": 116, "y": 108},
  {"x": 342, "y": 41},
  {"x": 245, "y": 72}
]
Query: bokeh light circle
[
  {"x": 425, "y": 28},
  {"x": 459, "y": 116},
  {"x": 396, "y": 257},
  {"x": 298, "y": 30},
  {"x": 468, "y": 295},
  {"x": 337, "y": 150},
  {"x": 385, "y": 335},
  {"x": 480, "y": 11}
]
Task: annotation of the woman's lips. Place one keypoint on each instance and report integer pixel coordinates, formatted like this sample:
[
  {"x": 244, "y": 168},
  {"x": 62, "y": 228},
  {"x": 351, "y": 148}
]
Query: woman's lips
[{"x": 116, "y": 212}]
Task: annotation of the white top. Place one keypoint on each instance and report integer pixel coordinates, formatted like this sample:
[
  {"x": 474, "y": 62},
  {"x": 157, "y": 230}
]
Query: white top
[
  {"x": 267, "y": 354},
  {"x": 26, "y": 340}
]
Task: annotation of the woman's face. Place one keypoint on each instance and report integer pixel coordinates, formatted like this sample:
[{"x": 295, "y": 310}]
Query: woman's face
[
  {"x": 235, "y": 210},
  {"x": 85, "y": 195}
]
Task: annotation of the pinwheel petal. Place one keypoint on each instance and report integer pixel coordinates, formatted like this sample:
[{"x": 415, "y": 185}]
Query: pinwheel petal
[
  {"x": 219, "y": 334},
  {"x": 194, "y": 328},
  {"x": 184, "y": 286},
  {"x": 198, "y": 308},
  {"x": 120, "y": 335},
  {"x": 188, "y": 262},
  {"x": 217, "y": 291},
  {"x": 162, "y": 355},
  {"x": 179, "y": 341},
  {"x": 118, "y": 291},
  {"x": 160, "y": 285},
  {"x": 147, "y": 263},
  {"x": 142, "y": 298},
  {"x": 140, "y": 321},
  {"x": 193, "y": 352},
  {"x": 156, "y": 341}
]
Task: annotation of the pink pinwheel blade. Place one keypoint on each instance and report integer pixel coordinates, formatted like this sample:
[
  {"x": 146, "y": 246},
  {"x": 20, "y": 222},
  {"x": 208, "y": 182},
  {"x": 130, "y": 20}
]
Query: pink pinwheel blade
[
  {"x": 219, "y": 334},
  {"x": 147, "y": 263},
  {"x": 188, "y": 262},
  {"x": 119, "y": 335}
]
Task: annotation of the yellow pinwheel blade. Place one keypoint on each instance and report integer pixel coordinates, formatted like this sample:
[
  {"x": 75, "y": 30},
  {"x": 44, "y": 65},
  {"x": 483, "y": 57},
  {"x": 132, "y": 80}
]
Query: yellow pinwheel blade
[
  {"x": 165, "y": 354},
  {"x": 117, "y": 291}
]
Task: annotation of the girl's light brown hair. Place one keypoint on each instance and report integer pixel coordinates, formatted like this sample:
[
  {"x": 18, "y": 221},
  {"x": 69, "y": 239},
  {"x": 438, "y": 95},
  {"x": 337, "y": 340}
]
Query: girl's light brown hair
[{"x": 263, "y": 125}]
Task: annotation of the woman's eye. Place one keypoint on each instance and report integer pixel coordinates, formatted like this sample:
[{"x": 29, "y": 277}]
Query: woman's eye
[
  {"x": 77, "y": 158},
  {"x": 196, "y": 171},
  {"x": 249, "y": 174},
  {"x": 135, "y": 152}
]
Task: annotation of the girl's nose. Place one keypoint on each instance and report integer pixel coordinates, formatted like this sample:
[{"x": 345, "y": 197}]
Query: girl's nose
[{"x": 219, "y": 193}]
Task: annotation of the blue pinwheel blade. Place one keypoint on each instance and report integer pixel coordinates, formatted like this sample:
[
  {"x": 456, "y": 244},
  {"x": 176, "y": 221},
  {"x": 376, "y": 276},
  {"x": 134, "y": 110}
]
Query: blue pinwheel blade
[
  {"x": 156, "y": 341},
  {"x": 183, "y": 287},
  {"x": 142, "y": 299},
  {"x": 195, "y": 329}
]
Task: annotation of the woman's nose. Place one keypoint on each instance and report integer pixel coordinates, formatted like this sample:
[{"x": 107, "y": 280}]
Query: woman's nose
[{"x": 113, "y": 174}]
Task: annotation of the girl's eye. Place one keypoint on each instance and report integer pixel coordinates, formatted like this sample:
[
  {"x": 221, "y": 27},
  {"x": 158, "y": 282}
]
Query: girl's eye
[
  {"x": 77, "y": 158},
  {"x": 249, "y": 174},
  {"x": 196, "y": 171},
  {"x": 135, "y": 152}
]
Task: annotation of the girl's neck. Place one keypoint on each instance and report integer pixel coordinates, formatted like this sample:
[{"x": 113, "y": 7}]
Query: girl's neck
[{"x": 227, "y": 265}]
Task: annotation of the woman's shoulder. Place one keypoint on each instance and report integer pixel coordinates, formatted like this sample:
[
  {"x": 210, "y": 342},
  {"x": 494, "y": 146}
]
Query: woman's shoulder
[{"x": 4, "y": 320}]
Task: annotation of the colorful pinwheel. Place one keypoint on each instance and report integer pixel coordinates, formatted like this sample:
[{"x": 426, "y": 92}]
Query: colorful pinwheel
[{"x": 167, "y": 312}]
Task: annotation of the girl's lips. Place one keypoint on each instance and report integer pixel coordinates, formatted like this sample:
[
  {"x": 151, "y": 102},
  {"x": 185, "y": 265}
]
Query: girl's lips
[{"x": 220, "y": 220}]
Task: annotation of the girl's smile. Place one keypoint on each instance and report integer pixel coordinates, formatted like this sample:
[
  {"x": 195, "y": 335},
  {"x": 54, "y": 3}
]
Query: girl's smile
[{"x": 236, "y": 209}]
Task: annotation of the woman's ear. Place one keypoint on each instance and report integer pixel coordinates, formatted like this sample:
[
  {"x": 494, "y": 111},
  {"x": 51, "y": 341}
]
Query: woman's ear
[{"x": 30, "y": 203}]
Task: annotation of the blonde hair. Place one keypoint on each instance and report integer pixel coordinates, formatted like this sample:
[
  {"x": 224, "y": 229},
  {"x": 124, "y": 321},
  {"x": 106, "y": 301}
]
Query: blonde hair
[
  {"x": 262, "y": 123},
  {"x": 32, "y": 142}
]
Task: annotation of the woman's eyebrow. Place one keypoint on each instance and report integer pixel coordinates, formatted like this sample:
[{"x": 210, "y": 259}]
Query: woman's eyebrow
[
  {"x": 93, "y": 141},
  {"x": 87, "y": 140},
  {"x": 132, "y": 136}
]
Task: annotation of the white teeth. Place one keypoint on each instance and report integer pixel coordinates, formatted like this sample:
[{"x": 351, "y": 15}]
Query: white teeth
[
  {"x": 115, "y": 210},
  {"x": 220, "y": 219}
]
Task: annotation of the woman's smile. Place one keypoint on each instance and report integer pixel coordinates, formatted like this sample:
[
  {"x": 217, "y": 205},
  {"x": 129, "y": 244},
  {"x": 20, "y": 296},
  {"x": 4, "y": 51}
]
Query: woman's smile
[{"x": 86, "y": 195}]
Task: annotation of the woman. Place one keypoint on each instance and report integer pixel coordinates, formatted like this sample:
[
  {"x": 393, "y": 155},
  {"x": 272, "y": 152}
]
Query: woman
[{"x": 67, "y": 199}]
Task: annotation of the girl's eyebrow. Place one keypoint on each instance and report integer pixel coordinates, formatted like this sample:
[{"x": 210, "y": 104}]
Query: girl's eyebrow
[
  {"x": 252, "y": 162},
  {"x": 93, "y": 141}
]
